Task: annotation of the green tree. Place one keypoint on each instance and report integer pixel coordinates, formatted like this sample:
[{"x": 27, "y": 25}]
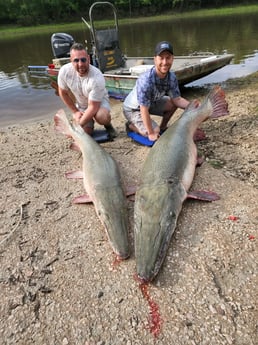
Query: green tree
[{"x": 31, "y": 12}]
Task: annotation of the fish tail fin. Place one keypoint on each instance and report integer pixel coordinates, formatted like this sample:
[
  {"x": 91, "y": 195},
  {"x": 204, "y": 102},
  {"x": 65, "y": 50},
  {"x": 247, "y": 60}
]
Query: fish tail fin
[
  {"x": 218, "y": 101},
  {"x": 62, "y": 123}
]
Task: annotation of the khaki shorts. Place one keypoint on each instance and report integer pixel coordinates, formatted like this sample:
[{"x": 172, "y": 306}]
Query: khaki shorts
[
  {"x": 104, "y": 104},
  {"x": 134, "y": 115}
]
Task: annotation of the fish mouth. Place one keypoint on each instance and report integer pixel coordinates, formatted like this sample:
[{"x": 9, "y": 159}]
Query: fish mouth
[
  {"x": 122, "y": 257},
  {"x": 150, "y": 259},
  {"x": 148, "y": 271},
  {"x": 143, "y": 280},
  {"x": 156, "y": 212}
]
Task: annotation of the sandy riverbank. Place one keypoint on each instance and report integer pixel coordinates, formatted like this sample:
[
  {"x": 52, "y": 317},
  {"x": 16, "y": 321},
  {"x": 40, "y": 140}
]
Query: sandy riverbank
[{"x": 58, "y": 284}]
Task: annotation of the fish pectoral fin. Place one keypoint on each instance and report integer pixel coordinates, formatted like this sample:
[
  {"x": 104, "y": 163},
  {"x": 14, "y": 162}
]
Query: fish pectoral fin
[
  {"x": 199, "y": 135},
  {"x": 82, "y": 199},
  {"x": 199, "y": 161},
  {"x": 74, "y": 174},
  {"x": 203, "y": 195},
  {"x": 75, "y": 147}
]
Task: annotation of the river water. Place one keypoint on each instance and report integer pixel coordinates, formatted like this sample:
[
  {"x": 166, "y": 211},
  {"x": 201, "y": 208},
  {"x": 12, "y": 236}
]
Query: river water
[{"x": 25, "y": 96}]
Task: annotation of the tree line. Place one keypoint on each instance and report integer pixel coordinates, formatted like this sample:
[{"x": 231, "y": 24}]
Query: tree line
[{"x": 36, "y": 12}]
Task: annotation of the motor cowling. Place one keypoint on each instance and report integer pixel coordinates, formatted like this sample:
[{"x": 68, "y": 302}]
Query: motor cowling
[{"x": 61, "y": 44}]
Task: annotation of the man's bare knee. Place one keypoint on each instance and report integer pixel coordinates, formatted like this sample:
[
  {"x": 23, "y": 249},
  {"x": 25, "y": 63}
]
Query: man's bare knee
[{"x": 103, "y": 117}]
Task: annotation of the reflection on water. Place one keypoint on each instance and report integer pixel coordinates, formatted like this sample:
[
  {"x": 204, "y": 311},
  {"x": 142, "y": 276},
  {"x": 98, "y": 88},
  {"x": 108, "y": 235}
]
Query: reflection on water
[
  {"x": 22, "y": 78},
  {"x": 7, "y": 81},
  {"x": 24, "y": 96},
  {"x": 235, "y": 34}
]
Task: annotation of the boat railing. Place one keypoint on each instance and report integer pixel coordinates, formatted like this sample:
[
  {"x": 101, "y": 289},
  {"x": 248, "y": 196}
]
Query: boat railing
[{"x": 106, "y": 52}]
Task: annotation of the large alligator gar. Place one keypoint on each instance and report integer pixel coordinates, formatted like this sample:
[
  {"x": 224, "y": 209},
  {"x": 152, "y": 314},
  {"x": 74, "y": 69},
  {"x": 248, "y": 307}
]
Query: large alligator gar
[
  {"x": 102, "y": 182},
  {"x": 166, "y": 177}
]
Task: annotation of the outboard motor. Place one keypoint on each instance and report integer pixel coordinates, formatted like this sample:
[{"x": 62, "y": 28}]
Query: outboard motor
[{"x": 61, "y": 44}]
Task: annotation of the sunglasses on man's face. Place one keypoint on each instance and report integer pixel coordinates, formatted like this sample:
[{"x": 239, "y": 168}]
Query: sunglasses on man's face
[{"x": 81, "y": 59}]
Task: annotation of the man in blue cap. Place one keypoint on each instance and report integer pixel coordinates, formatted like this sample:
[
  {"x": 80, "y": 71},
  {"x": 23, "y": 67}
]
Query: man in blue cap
[{"x": 156, "y": 92}]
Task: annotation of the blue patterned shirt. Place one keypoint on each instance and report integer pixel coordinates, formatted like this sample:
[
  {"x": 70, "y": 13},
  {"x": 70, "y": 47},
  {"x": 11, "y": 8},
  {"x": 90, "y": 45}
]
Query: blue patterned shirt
[{"x": 149, "y": 88}]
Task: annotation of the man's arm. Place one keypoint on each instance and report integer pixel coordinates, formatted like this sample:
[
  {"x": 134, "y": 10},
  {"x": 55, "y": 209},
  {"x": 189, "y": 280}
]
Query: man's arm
[
  {"x": 152, "y": 135},
  {"x": 81, "y": 117},
  {"x": 67, "y": 99},
  {"x": 89, "y": 113},
  {"x": 180, "y": 102}
]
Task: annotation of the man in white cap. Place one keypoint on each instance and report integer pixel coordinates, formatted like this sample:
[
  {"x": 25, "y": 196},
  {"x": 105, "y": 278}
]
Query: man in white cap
[{"x": 156, "y": 92}]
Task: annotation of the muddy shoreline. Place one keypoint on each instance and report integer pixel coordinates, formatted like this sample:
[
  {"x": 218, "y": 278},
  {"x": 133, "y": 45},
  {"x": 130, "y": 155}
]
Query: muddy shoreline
[{"x": 58, "y": 282}]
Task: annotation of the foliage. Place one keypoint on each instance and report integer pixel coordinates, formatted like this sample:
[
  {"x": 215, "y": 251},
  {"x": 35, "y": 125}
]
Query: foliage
[{"x": 35, "y": 12}]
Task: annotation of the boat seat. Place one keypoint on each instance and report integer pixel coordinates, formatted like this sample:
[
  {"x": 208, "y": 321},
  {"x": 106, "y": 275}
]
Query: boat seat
[{"x": 109, "y": 54}]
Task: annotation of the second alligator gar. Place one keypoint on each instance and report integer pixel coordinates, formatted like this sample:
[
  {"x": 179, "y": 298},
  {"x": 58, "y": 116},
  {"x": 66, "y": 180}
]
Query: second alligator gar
[
  {"x": 166, "y": 177},
  {"x": 102, "y": 182}
]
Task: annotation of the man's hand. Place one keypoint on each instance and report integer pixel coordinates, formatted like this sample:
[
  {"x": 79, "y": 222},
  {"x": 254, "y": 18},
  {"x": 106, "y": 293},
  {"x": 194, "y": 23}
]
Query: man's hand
[
  {"x": 77, "y": 116},
  {"x": 153, "y": 136}
]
